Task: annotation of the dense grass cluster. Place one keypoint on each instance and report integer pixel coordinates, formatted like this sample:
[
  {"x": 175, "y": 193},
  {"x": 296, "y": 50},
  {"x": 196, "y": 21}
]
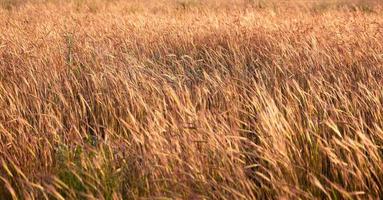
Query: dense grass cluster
[{"x": 191, "y": 100}]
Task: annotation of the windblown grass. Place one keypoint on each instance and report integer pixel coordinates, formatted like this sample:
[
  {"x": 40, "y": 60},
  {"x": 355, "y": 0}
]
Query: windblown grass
[{"x": 207, "y": 100}]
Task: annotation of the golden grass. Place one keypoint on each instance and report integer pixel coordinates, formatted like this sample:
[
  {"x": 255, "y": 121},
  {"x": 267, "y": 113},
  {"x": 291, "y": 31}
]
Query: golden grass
[{"x": 191, "y": 100}]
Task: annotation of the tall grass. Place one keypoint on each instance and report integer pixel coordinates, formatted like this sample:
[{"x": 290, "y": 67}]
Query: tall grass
[{"x": 220, "y": 101}]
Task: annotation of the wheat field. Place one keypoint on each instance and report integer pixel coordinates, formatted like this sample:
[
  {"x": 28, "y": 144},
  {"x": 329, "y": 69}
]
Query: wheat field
[{"x": 189, "y": 99}]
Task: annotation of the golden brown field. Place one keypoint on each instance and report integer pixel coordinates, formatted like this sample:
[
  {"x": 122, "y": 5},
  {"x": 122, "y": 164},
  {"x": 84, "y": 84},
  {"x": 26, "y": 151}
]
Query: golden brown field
[{"x": 189, "y": 99}]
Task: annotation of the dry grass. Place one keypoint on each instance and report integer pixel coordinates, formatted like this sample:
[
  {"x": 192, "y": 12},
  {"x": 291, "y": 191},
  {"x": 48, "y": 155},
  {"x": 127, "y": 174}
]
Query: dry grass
[{"x": 191, "y": 100}]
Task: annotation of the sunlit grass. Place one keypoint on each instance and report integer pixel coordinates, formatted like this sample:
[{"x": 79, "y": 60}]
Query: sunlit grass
[{"x": 191, "y": 100}]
